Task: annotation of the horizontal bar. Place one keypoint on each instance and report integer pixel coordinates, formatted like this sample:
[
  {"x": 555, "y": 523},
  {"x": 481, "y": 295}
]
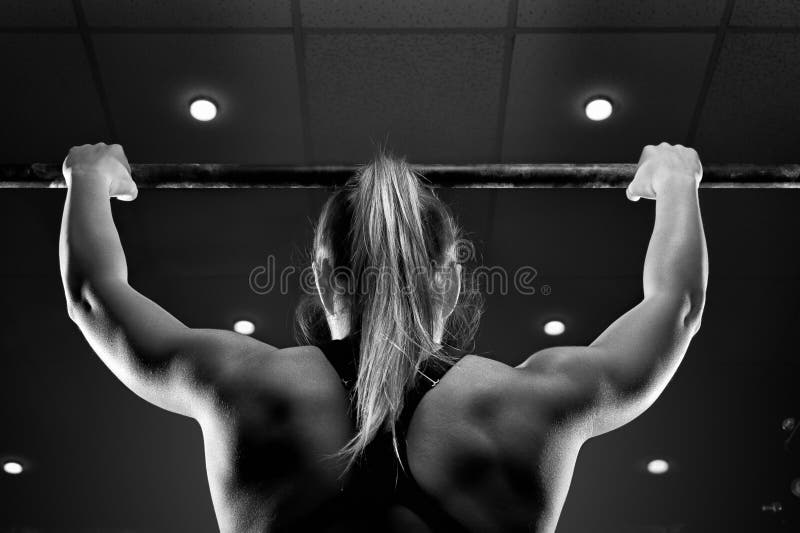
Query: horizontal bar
[{"x": 542, "y": 176}]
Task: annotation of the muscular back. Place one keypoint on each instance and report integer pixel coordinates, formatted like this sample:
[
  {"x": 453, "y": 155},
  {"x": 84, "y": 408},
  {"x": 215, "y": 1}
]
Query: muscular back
[{"x": 493, "y": 445}]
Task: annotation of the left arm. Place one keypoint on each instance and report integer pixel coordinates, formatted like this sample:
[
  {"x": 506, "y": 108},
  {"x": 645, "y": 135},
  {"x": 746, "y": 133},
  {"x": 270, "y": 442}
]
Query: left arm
[{"x": 149, "y": 350}]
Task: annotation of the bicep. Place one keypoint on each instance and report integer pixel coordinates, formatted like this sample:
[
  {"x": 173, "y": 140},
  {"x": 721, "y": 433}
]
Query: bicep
[
  {"x": 618, "y": 376},
  {"x": 153, "y": 353}
]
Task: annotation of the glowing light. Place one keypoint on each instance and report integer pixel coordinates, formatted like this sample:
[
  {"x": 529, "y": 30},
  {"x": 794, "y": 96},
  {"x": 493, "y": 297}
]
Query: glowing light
[
  {"x": 203, "y": 109},
  {"x": 554, "y": 327},
  {"x": 245, "y": 327},
  {"x": 12, "y": 467},
  {"x": 658, "y": 467},
  {"x": 599, "y": 109}
]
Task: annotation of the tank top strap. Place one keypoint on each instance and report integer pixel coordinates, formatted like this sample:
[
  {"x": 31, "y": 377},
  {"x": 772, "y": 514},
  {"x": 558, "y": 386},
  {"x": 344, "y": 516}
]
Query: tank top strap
[
  {"x": 379, "y": 475},
  {"x": 342, "y": 354}
]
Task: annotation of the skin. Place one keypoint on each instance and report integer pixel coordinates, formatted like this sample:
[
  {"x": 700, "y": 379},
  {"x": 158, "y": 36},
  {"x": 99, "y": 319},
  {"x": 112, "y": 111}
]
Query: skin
[{"x": 495, "y": 445}]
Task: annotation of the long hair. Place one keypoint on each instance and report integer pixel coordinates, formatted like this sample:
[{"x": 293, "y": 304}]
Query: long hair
[{"x": 385, "y": 235}]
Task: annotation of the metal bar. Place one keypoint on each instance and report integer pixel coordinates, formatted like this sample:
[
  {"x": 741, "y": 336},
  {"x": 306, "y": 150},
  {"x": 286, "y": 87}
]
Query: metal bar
[{"x": 542, "y": 176}]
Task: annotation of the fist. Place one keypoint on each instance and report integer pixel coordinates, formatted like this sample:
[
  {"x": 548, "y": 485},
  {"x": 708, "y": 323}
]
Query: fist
[
  {"x": 662, "y": 166},
  {"x": 101, "y": 162}
]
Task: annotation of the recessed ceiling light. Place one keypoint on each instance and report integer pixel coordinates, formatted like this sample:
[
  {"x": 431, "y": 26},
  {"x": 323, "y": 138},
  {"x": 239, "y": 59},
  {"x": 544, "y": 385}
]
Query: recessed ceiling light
[
  {"x": 554, "y": 327},
  {"x": 599, "y": 108},
  {"x": 203, "y": 109},
  {"x": 658, "y": 466},
  {"x": 12, "y": 467},
  {"x": 245, "y": 327}
]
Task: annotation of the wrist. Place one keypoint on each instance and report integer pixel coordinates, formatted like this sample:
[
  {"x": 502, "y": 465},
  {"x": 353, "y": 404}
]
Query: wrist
[
  {"x": 668, "y": 181},
  {"x": 90, "y": 178}
]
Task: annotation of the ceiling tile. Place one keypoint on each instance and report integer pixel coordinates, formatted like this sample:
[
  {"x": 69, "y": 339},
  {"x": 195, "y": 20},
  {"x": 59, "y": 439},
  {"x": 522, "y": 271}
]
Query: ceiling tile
[
  {"x": 435, "y": 97},
  {"x": 252, "y": 77},
  {"x": 635, "y": 13},
  {"x": 404, "y": 13},
  {"x": 53, "y": 102},
  {"x": 16, "y": 13},
  {"x": 766, "y": 13},
  {"x": 217, "y": 13},
  {"x": 654, "y": 80},
  {"x": 751, "y": 112}
]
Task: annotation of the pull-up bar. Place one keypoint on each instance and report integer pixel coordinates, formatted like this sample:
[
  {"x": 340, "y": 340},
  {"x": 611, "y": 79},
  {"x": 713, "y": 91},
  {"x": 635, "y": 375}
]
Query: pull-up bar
[{"x": 542, "y": 176}]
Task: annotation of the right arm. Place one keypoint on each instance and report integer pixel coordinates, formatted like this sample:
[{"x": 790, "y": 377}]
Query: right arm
[{"x": 621, "y": 373}]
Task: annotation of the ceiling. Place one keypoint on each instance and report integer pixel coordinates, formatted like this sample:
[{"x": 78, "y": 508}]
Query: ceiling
[{"x": 316, "y": 81}]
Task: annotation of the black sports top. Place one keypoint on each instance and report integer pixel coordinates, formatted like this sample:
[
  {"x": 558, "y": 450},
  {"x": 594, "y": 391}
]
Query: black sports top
[{"x": 377, "y": 481}]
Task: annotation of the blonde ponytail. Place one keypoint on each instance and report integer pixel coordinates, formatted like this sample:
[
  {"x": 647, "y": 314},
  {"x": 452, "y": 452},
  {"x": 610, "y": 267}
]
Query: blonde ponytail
[{"x": 392, "y": 234}]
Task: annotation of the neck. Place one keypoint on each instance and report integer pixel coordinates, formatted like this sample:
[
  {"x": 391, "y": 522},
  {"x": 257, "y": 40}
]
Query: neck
[{"x": 339, "y": 326}]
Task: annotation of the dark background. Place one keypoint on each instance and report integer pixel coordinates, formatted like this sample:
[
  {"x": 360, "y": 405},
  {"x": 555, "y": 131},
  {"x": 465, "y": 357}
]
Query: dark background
[{"x": 315, "y": 82}]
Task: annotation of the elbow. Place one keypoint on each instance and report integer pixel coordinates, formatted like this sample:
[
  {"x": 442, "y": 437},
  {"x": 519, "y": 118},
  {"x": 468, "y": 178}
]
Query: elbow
[
  {"x": 77, "y": 308},
  {"x": 696, "y": 302},
  {"x": 72, "y": 296},
  {"x": 74, "y": 292},
  {"x": 71, "y": 313},
  {"x": 79, "y": 297}
]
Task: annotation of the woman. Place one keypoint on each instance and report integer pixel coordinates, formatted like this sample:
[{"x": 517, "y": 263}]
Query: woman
[{"x": 373, "y": 425}]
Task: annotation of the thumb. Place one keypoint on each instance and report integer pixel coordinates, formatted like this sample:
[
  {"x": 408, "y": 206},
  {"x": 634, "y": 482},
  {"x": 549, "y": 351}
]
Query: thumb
[
  {"x": 129, "y": 194},
  {"x": 632, "y": 197}
]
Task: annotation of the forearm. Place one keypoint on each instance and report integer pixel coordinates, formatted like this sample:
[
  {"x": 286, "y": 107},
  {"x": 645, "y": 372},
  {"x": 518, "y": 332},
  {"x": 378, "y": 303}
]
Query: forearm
[
  {"x": 90, "y": 250},
  {"x": 676, "y": 262}
]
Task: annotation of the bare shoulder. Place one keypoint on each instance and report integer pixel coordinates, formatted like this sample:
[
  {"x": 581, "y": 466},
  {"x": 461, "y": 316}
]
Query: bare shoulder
[
  {"x": 550, "y": 384},
  {"x": 568, "y": 375},
  {"x": 492, "y": 444},
  {"x": 223, "y": 367}
]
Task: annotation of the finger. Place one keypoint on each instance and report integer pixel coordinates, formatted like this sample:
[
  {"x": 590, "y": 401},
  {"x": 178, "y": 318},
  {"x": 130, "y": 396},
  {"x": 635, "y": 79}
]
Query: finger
[
  {"x": 122, "y": 157},
  {"x": 632, "y": 197},
  {"x": 645, "y": 153},
  {"x": 65, "y": 170},
  {"x": 120, "y": 154},
  {"x": 129, "y": 196}
]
